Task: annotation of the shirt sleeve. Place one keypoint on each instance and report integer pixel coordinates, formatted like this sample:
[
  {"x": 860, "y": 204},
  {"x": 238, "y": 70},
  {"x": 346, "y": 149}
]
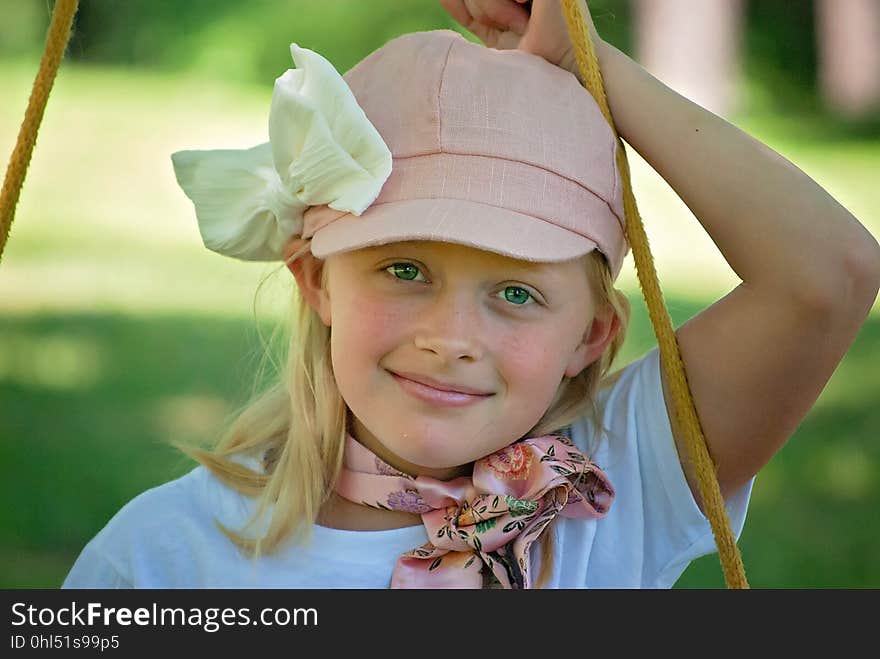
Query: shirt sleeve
[
  {"x": 662, "y": 515},
  {"x": 142, "y": 544},
  {"x": 93, "y": 569},
  {"x": 165, "y": 537}
]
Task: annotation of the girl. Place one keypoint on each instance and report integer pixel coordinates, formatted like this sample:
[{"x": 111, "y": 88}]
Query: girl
[{"x": 452, "y": 215}]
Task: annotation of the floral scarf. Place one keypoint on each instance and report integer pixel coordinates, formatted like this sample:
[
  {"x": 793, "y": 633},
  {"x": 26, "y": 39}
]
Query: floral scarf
[{"x": 488, "y": 520}]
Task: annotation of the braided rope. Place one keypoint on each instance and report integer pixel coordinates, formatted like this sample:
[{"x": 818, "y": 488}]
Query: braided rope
[
  {"x": 670, "y": 356},
  {"x": 56, "y": 42}
]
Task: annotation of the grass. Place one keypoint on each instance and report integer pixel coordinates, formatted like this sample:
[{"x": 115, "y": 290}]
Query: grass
[{"x": 120, "y": 332}]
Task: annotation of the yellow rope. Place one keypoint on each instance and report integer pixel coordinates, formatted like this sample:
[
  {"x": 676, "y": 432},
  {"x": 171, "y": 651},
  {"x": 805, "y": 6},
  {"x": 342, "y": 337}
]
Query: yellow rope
[
  {"x": 670, "y": 356},
  {"x": 56, "y": 43}
]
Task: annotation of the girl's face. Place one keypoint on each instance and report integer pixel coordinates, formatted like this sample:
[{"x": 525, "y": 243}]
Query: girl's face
[{"x": 503, "y": 331}]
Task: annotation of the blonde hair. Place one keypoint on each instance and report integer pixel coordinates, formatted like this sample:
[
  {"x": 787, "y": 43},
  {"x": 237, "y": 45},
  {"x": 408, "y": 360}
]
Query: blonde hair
[{"x": 298, "y": 426}]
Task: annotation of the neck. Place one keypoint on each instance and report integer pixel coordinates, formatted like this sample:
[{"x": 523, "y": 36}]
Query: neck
[
  {"x": 340, "y": 513},
  {"x": 367, "y": 439}
]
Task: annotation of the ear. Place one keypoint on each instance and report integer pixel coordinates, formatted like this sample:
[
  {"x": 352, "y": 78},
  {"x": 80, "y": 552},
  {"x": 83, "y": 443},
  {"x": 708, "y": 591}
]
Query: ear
[
  {"x": 308, "y": 271},
  {"x": 605, "y": 326}
]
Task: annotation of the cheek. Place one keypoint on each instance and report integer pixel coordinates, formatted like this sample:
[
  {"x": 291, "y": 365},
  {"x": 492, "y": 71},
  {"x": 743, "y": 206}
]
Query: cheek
[
  {"x": 532, "y": 363},
  {"x": 365, "y": 328}
]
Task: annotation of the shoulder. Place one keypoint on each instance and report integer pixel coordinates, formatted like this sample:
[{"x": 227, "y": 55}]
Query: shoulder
[
  {"x": 631, "y": 406},
  {"x": 192, "y": 501},
  {"x": 634, "y": 441},
  {"x": 165, "y": 507},
  {"x": 654, "y": 527},
  {"x": 156, "y": 537}
]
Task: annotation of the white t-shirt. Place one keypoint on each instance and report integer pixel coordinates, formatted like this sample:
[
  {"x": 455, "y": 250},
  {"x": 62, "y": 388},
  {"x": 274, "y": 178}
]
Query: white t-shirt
[{"x": 166, "y": 537}]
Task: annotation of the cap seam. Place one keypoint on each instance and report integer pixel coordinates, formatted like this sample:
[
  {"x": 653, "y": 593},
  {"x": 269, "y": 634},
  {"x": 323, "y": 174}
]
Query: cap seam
[
  {"x": 440, "y": 97},
  {"x": 549, "y": 171},
  {"x": 615, "y": 174}
]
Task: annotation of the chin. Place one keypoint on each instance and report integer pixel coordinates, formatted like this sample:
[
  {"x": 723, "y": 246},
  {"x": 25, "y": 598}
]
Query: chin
[
  {"x": 440, "y": 443},
  {"x": 434, "y": 450},
  {"x": 428, "y": 453}
]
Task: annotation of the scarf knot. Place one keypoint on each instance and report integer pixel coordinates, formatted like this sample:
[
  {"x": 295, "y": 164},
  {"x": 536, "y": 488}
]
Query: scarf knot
[{"x": 486, "y": 521}]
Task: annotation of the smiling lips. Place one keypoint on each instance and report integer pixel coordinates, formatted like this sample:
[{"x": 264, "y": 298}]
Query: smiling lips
[{"x": 437, "y": 393}]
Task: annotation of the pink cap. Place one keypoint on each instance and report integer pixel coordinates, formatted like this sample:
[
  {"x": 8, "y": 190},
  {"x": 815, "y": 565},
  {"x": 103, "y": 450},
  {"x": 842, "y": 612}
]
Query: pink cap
[{"x": 495, "y": 149}]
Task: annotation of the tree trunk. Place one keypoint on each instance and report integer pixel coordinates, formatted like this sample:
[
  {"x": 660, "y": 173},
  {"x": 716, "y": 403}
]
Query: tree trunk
[
  {"x": 694, "y": 47},
  {"x": 849, "y": 55}
]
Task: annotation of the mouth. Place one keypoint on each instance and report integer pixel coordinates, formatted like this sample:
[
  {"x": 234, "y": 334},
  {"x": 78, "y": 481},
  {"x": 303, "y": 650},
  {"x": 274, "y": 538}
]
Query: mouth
[{"x": 438, "y": 396}]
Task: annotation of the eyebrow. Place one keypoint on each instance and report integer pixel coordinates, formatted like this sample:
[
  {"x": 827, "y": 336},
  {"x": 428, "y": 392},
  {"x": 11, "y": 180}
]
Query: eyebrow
[{"x": 512, "y": 267}]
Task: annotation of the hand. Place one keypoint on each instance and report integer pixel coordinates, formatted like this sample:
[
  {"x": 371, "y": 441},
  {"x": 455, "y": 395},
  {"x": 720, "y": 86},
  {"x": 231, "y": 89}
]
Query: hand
[
  {"x": 293, "y": 246},
  {"x": 507, "y": 24}
]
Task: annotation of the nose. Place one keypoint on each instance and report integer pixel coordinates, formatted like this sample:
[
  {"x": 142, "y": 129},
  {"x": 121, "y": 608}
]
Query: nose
[{"x": 451, "y": 328}]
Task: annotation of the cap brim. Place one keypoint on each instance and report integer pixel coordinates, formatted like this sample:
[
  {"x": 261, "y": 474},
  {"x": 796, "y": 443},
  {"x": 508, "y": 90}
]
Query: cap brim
[{"x": 458, "y": 221}]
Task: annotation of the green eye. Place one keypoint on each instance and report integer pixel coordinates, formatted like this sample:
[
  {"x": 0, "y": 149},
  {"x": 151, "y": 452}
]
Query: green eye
[
  {"x": 516, "y": 295},
  {"x": 405, "y": 271}
]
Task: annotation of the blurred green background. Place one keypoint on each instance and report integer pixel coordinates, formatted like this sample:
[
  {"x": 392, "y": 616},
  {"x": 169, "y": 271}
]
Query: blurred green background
[{"x": 120, "y": 332}]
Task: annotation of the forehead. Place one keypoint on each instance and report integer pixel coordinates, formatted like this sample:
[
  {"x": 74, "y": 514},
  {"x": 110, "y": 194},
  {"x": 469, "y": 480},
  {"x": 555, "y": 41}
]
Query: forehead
[{"x": 446, "y": 253}]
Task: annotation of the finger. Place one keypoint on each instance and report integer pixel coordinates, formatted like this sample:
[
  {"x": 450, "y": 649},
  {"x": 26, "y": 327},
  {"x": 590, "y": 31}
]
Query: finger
[
  {"x": 470, "y": 15},
  {"x": 549, "y": 31},
  {"x": 293, "y": 246},
  {"x": 504, "y": 14},
  {"x": 458, "y": 10}
]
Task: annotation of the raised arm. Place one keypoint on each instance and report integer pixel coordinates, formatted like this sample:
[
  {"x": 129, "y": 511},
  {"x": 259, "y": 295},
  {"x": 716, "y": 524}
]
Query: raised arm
[
  {"x": 776, "y": 227},
  {"x": 758, "y": 358}
]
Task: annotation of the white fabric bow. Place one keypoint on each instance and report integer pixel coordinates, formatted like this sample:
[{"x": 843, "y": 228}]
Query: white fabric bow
[{"x": 322, "y": 149}]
